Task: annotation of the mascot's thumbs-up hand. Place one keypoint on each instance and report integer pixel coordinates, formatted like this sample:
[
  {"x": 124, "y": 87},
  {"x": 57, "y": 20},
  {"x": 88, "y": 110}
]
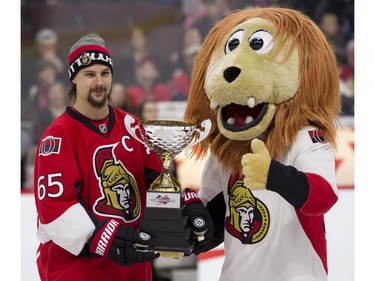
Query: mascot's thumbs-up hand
[{"x": 255, "y": 166}]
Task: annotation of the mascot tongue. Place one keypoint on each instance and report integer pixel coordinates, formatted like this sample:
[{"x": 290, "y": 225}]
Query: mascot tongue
[{"x": 240, "y": 115}]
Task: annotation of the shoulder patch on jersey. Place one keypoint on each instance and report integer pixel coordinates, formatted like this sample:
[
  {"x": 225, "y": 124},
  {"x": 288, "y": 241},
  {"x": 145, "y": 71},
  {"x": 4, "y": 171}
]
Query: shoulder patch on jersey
[
  {"x": 49, "y": 145},
  {"x": 317, "y": 136}
]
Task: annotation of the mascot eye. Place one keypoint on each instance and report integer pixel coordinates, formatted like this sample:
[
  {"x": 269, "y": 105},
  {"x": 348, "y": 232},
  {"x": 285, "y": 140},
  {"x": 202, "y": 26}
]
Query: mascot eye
[
  {"x": 261, "y": 42},
  {"x": 234, "y": 41}
]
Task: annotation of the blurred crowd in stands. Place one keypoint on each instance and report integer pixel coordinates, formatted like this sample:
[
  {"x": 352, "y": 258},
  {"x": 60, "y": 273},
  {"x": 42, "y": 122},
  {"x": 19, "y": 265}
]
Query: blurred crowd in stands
[{"x": 153, "y": 44}]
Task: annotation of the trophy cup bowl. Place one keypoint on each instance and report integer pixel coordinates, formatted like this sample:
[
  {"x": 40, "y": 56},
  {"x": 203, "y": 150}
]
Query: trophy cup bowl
[
  {"x": 167, "y": 139},
  {"x": 162, "y": 216}
]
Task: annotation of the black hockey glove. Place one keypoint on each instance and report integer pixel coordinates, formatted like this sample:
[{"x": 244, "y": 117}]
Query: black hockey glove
[
  {"x": 216, "y": 208},
  {"x": 115, "y": 241},
  {"x": 200, "y": 220}
]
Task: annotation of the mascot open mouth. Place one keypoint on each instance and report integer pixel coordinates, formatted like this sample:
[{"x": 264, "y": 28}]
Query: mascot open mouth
[{"x": 237, "y": 118}]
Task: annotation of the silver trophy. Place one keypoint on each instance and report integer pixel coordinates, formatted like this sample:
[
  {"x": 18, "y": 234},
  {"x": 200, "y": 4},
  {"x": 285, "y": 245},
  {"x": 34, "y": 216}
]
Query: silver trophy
[{"x": 163, "y": 212}]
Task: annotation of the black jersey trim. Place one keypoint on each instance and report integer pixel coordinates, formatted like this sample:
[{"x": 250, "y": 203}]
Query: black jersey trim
[{"x": 85, "y": 121}]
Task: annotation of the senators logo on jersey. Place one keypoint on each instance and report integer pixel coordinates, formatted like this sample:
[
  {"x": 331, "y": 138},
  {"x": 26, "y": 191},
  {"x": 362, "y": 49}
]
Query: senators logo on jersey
[
  {"x": 121, "y": 197},
  {"x": 317, "y": 136},
  {"x": 248, "y": 218},
  {"x": 49, "y": 145}
]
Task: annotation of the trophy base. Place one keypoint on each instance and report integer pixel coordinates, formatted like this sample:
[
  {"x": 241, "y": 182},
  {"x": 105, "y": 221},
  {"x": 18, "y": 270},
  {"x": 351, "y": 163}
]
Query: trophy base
[
  {"x": 169, "y": 228},
  {"x": 172, "y": 255}
]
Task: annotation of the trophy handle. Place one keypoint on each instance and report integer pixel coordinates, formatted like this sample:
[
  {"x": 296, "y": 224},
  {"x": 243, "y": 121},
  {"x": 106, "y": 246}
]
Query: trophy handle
[
  {"x": 206, "y": 124},
  {"x": 128, "y": 120}
]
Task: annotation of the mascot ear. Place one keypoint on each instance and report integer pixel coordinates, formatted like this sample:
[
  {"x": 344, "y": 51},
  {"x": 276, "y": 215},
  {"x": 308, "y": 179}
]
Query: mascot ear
[{"x": 255, "y": 166}]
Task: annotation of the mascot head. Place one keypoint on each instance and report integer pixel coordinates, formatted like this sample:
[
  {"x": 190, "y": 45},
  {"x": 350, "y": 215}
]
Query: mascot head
[{"x": 263, "y": 73}]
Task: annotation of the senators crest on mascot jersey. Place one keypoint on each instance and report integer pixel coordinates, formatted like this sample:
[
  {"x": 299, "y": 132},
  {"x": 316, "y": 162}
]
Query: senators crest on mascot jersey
[
  {"x": 121, "y": 197},
  {"x": 248, "y": 218}
]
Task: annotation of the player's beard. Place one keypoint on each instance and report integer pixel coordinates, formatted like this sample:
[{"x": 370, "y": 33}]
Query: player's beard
[{"x": 98, "y": 103}]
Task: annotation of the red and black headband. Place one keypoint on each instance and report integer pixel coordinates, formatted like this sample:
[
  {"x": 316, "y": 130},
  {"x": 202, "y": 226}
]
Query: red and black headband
[{"x": 88, "y": 55}]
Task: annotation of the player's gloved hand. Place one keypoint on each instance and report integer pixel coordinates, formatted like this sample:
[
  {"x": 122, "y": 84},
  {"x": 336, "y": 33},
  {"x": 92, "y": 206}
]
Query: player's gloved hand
[
  {"x": 117, "y": 242},
  {"x": 255, "y": 166},
  {"x": 200, "y": 220}
]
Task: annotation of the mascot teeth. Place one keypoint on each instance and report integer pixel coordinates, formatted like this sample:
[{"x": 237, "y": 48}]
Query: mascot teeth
[
  {"x": 249, "y": 119},
  {"x": 231, "y": 121},
  {"x": 251, "y": 102},
  {"x": 238, "y": 118},
  {"x": 214, "y": 104}
]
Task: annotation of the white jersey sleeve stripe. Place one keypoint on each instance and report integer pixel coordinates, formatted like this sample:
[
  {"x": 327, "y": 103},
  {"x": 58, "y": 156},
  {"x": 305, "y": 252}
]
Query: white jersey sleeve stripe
[{"x": 71, "y": 230}]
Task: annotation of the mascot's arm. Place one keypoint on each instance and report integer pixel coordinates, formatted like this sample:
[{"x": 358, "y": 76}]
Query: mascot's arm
[
  {"x": 308, "y": 192},
  {"x": 216, "y": 208},
  {"x": 212, "y": 196}
]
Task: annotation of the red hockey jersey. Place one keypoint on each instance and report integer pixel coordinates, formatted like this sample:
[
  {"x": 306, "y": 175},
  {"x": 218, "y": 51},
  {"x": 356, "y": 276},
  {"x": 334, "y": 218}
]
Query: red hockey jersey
[{"x": 85, "y": 173}]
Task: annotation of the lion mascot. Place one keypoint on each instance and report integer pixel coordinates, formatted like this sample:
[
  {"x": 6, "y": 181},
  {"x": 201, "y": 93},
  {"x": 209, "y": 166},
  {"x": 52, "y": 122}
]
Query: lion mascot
[{"x": 267, "y": 80}]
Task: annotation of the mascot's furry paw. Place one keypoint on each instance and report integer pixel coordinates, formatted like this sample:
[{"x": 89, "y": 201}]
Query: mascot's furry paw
[{"x": 255, "y": 166}]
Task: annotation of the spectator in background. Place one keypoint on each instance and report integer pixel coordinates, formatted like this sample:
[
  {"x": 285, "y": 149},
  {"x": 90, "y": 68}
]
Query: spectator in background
[
  {"x": 192, "y": 36},
  {"x": 215, "y": 10},
  {"x": 192, "y": 10},
  {"x": 180, "y": 81},
  {"x": 347, "y": 70},
  {"x": 56, "y": 95},
  {"x": 37, "y": 93},
  {"x": 148, "y": 85},
  {"x": 137, "y": 51},
  {"x": 45, "y": 50},
  {"x": 148, "y": 110},
  {"x": 119, "y": 97},
  {"x": 347, "y": 80},
  {"x": 330, "y": 26},
  {"x": 46, "y": 41},
  {"x": 181, "y": 64}
]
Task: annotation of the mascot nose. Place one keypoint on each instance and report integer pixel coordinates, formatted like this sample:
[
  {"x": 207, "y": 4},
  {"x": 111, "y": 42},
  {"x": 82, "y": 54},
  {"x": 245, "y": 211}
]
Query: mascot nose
[{"x": 231, "y": 73}]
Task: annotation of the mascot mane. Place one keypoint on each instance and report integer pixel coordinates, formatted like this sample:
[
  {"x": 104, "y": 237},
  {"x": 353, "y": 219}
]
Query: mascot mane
[{"x": 317, "y": 101}]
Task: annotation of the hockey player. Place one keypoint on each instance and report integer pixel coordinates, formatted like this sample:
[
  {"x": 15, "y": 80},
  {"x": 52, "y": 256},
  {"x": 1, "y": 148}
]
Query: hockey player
[{"x": 90, "y": 181}]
